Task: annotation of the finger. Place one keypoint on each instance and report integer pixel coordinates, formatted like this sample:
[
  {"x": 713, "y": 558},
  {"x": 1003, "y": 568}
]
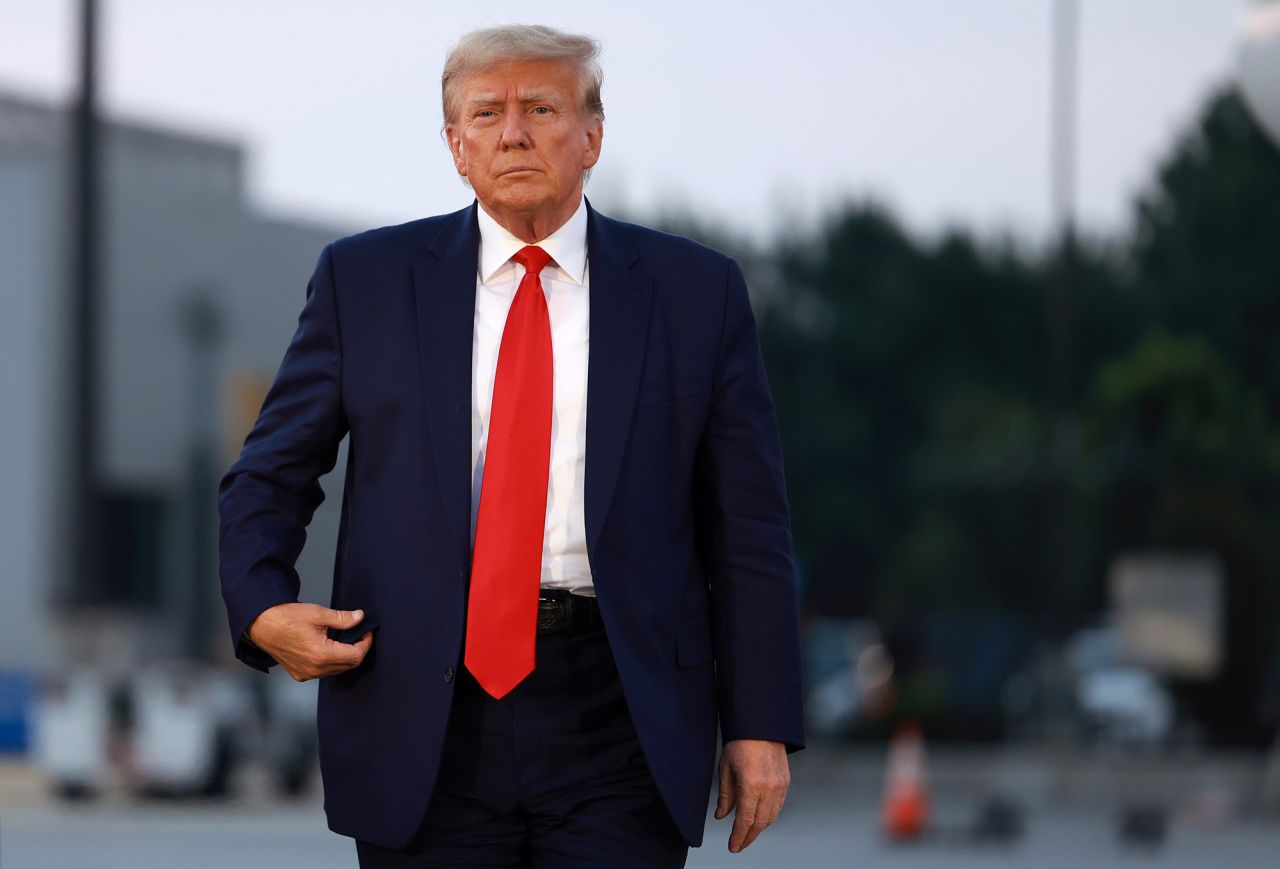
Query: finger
[
  {"x": 334, "y": 657},
  {"x": 765, "y": 816},
  {"x": 351, "y": 654},
  {"x": 742, "y": 821},
  {"x": 363, "y": 645},
  {"x": 338, "y": 618},
  {"x": 724, "y": 804},
  {"x": 767, "y": 810}
]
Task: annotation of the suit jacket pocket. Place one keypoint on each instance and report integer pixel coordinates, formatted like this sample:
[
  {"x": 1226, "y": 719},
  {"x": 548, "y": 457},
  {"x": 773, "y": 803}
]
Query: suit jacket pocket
[
  {"x": 693, "y": 644},
  {"x": 658, "y": 391}
]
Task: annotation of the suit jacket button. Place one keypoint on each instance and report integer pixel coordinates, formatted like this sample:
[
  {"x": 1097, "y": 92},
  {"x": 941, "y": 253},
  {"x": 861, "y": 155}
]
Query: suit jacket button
[{"x": 448, "y": 674}]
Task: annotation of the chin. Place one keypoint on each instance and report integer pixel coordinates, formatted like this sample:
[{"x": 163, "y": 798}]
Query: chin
[{"x": 521, "y": 200}]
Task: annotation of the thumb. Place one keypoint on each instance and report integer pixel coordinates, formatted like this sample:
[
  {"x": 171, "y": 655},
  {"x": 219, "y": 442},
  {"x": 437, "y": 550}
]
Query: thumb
[
  {"x": 728, "y": 793},
  {"x": 339, "y": 618}
]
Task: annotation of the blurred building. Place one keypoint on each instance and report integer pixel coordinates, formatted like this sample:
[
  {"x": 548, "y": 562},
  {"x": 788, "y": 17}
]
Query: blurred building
[{"x": 199, "y": 295}]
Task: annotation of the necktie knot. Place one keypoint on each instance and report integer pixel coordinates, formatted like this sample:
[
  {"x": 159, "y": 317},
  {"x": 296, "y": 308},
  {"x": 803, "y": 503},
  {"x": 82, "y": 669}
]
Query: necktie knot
[{"x": 533, "y": 258}]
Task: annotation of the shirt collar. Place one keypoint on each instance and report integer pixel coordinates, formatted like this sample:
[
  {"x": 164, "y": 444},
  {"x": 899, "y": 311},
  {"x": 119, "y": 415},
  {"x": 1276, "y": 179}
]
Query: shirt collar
[{"x": 567, "y": 245}]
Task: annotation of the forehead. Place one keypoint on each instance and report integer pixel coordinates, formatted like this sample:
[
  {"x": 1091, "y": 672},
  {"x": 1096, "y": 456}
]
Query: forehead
[{"x": 521, "y": 78}]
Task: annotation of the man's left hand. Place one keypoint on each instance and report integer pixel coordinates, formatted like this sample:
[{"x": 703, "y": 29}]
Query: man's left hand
[{"x": 754, "y": 778}]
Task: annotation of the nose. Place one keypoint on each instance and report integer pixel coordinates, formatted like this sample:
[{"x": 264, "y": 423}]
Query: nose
[{"x": 514, "y": 134}]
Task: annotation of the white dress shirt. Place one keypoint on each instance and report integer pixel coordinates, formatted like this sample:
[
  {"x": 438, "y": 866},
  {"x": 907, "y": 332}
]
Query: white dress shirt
[{"x": 564, "y": 281}]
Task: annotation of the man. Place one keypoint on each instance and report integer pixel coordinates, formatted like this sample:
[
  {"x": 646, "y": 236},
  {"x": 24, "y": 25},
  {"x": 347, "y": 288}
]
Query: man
[{"x": 564, "y": 547}]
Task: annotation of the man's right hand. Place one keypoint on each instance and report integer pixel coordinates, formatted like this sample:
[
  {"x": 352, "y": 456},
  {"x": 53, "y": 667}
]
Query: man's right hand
[{"x": 294, "y": 634}]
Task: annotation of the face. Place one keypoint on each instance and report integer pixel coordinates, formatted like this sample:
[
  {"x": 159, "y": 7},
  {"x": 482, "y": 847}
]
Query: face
[{"x": 521, "y": 139}]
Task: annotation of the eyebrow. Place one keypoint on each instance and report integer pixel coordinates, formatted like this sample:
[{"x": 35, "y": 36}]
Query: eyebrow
[
  {"x": 485, "y": 99},
  {"x": 538, "y": 97}
]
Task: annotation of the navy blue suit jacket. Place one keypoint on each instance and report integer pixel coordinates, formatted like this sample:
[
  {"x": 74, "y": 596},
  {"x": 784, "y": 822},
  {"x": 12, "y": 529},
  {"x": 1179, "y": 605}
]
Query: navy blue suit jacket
[{"x": 687, "y": 522}]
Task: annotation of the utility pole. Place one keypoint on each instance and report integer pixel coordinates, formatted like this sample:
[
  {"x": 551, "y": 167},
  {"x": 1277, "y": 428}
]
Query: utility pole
[
  {"x": 84, "y": 585},
  {"x": 1060, "y": 313},
  {"x": 1060, "y": 559}
]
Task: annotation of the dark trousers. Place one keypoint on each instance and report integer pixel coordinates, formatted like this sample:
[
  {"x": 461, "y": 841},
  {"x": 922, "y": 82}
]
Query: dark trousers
[{"x": 551, "y": 775}]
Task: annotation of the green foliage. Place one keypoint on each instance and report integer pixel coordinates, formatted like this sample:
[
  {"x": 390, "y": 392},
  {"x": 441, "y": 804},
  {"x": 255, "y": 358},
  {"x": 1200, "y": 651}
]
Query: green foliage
[
  {"x": 1176, "y": 411},
  {"x": 1206, "y": 257},
  {"x": 927, "y": 462}
]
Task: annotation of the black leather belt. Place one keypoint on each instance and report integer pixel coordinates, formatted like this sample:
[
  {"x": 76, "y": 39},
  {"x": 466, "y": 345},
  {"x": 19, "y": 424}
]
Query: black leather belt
[{"x": 561, "y": 611}]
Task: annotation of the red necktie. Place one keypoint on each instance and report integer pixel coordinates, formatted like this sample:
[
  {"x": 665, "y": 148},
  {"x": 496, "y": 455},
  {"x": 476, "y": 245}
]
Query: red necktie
[{"x": 506, "y": 562}]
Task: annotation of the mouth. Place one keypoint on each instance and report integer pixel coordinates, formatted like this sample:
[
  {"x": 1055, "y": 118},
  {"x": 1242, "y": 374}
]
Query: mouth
[{"x": 517, "y": 169}]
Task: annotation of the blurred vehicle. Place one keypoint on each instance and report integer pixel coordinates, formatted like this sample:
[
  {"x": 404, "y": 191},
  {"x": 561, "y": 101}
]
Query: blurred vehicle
[
  {"x": 1126, "y": 705},
  {"x": 1118, "y": 701},
  {"x": 70, "y": 728},
  {"x": 849, "y": 671},
  {"x": 196, "y": 728},
  {"x": 184, "y": 736}
]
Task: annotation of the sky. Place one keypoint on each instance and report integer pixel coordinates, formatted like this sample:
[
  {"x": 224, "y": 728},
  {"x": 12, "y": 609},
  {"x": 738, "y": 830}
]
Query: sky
[{"x": 758, "y": 117}]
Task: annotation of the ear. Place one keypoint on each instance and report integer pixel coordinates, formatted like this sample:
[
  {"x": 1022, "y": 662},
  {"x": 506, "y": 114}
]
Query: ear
[
  {"x": 595, "y": 136},
  {"x": 453, "y": 136}
]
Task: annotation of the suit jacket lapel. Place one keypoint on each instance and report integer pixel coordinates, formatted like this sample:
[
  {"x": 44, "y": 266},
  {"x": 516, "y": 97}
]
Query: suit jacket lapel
[
  {"x": 620, "y": 297},
  {"x": 444, "y": 278}
]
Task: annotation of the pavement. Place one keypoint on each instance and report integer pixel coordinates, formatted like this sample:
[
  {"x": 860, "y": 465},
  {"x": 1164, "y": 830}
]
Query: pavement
[{"x": 831, "y": 819}]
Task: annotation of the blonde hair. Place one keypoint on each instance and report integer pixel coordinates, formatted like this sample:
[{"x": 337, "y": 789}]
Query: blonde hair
[{"x": 480, "y": 49}]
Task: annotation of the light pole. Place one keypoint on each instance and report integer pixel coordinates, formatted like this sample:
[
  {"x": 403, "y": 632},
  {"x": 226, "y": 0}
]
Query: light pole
[
  {"x": 83, "y": 583},
  {"x": 1059, "y": 310}
]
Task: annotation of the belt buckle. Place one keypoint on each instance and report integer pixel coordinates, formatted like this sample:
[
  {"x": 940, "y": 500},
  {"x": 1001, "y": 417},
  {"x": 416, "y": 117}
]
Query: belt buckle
[{"x": 554, "y": 612}]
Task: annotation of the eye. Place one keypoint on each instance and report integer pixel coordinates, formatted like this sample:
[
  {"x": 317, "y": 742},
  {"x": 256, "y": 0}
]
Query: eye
[{"x": 542, "y": 110}]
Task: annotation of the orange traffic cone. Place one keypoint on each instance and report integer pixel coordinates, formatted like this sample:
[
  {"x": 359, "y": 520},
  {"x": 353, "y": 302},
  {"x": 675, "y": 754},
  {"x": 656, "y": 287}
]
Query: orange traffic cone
[{"x": 906, "y": 800}]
